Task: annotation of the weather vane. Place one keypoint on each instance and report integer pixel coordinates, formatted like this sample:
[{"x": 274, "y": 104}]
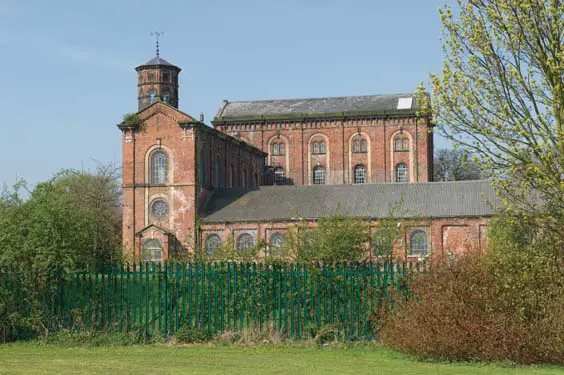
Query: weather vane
[{"x": 157, "y": 35}]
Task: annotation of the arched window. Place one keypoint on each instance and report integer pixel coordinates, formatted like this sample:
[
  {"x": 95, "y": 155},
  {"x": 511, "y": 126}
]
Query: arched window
[
  {"x": 318, "y": 175},
  {"x": 418, "y": 243},
  {"x": 203, "y": 169},
  {"x": 152, "y": 251},
  {"x": 321, "y": 147},
  {"x": 363, "y": 145},
  {"x": 405, "y": 144},
  {"x": 281, "y": 149},
  {"x": 213, "y": 242},
  {"x": 401, "y": 173},
  {"x": 315, "y": 148},
  {"x": 159, "y": 209},
  {"x": 152, "y": 96},
  {"x": 276, "y": 242},
  {"x": 245, "y": 241},
  {"x": 159, "y": 167},
  {"x": 217, "y": 173},
  {"x": 397, "y": 145},
  {"x": 356, "y": 147},
  {"x": 274, "y": 149},
  {"x": 279, "y": 176},
  {"x": 359, "y": 174}
]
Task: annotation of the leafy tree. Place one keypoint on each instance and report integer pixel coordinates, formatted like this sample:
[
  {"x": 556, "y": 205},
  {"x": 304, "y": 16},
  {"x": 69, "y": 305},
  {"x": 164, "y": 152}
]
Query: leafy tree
[
  {"x": 454, "y": 165},
  {"x": 500, "y": 96}
]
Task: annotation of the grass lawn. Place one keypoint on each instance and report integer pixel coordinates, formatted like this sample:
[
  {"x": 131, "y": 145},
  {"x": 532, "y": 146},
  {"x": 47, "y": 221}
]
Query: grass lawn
[{"x": 28, "y": 358}]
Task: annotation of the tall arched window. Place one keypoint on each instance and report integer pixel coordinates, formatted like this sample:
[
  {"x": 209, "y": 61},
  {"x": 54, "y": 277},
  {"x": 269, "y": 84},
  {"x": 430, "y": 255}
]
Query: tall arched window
[
  {"x": 245, "y": 241},
  {"x": 203, "y": 169},
  {"x": 279, "y": 176},
  {"x": 363, "y": 145},
  {"x": 217, "y": 173},
  {"x": 321, "y": 147},
  {"x": 418, "y": 243},
  {"x": 213, "y": 242},
  {"x": 401, "y": 173},
  {"x": 276, "y": 243},
  {"x": 159, "y": 167},
  {"x": 318, "y": 175},
  {"x": 152, "y": 251},
  {"x": 359, "y": 174}
]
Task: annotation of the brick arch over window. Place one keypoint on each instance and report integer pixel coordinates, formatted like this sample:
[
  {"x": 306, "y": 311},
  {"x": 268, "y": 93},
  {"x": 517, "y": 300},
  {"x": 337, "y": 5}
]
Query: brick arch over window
[
  {"x": 401, "y": 157},
  {"x": 364, "y": 158},
  {"x": 325, "y": 158}
]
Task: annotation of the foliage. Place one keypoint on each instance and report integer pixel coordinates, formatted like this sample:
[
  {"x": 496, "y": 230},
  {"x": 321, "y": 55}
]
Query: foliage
[
  {"x": 335, "y": 238},
  {"x": 69, "y": 338},
  {"x": 503, "y": 305},
  {"x": 130, "y": 119},
  {"x": 69, "y": 223},
  {"x": 188, "y": 335},
  {"x": 500, "y": 96},
  {"x": 455, "y": 165}
]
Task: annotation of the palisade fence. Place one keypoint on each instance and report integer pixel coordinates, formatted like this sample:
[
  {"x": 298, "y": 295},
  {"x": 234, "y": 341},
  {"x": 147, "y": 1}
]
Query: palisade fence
[{"x": 155, "y": 299}]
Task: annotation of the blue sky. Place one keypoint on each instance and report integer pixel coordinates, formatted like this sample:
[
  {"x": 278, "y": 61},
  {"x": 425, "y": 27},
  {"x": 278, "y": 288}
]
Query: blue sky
[{"x": 67, "y": 66}]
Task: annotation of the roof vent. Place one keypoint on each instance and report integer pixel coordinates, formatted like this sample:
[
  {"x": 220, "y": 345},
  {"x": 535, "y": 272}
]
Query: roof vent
[{"x": 405, "y": 103}]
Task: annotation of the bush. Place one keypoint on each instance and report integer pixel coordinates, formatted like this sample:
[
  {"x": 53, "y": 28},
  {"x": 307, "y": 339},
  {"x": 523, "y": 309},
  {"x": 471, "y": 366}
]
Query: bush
[
  {"x": 188, "y": 334},
  {"x": 68, "y": 338},
  {"x": 484, "y": 307}
]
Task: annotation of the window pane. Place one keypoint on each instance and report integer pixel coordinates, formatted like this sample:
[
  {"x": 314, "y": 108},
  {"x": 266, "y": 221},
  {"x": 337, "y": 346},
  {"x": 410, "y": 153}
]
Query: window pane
[
  {"x": 245, "y": 241},
  {"x": 159, "y": 167},
  {"x": 159, "y": 209},
  {"x": 319, "y": 176},
  {"x": 405, "y": 144},
  {"x": 213, "y": 242},
  {"x": 356, "y": 146},
  {"x": 359, "y": 174},
  {"x": 276, "y": 243},
  {"x": 363, "y": 146},
  {"x": 282, "y": 150},
  {"x": 418, "y": 243},
  {"x": 397, "y": 146},
  {"x": 401, "y": 173},
  {"x": 152, "y": 251},
  {"x": 321, "y": 147},
  {"x": 273, "y": 149},
  {"x": 315, "y": 148}
]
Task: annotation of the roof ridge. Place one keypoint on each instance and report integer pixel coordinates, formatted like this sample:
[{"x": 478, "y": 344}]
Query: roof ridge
[{"x": 319, "y": 98}]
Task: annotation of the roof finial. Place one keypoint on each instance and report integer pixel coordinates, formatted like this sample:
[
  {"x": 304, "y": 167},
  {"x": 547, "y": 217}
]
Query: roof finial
[{"x": 157, "y": 34}]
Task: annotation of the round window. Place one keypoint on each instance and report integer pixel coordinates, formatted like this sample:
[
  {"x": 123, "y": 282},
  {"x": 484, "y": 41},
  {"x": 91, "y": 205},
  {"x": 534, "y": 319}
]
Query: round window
[{"x": 159, "y": 209}]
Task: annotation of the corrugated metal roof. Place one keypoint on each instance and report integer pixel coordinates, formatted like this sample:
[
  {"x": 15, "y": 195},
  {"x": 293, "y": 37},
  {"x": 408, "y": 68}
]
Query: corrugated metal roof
[
  {"x": 426, "y": 199},
  {"x": 313, "y": 107}
]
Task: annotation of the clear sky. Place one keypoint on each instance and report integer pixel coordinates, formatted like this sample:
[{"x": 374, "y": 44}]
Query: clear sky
[{"x": 67, "y": 66}]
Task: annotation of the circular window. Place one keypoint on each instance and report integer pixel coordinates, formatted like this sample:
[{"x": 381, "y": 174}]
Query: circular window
[{"x": 159, "y": 209}]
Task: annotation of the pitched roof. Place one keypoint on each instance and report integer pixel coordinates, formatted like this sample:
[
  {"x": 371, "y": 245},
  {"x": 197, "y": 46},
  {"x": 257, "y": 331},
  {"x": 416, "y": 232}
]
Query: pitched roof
[
  {"x": 319, "y": 107},
  {"x": 425, "y": 199},
  {"x": 157, "y": 60}
]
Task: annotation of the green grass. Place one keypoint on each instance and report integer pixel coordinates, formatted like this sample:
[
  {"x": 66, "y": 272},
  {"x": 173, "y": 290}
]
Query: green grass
[{"x": 30, "y": 358}]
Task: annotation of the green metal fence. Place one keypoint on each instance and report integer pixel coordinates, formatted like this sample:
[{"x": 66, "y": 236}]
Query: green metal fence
[{"x": 294, "y": 299}]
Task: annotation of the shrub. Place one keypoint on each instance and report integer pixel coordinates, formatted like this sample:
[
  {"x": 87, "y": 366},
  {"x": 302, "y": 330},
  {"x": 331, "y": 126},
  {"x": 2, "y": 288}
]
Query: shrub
[
  {"x": 189, "y": 334},
  {"x": 484, "y": 307}
]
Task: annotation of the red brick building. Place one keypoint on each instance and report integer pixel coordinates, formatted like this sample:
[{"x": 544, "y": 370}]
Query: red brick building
[{"x": 188, "y": 186}]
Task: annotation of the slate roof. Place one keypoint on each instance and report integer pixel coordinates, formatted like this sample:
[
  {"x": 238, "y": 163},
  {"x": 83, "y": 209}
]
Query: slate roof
[
  {"x": 157, "y": 60},
  {"x": 315, "y": 107},
  {"x": 425, "y": 199}
]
